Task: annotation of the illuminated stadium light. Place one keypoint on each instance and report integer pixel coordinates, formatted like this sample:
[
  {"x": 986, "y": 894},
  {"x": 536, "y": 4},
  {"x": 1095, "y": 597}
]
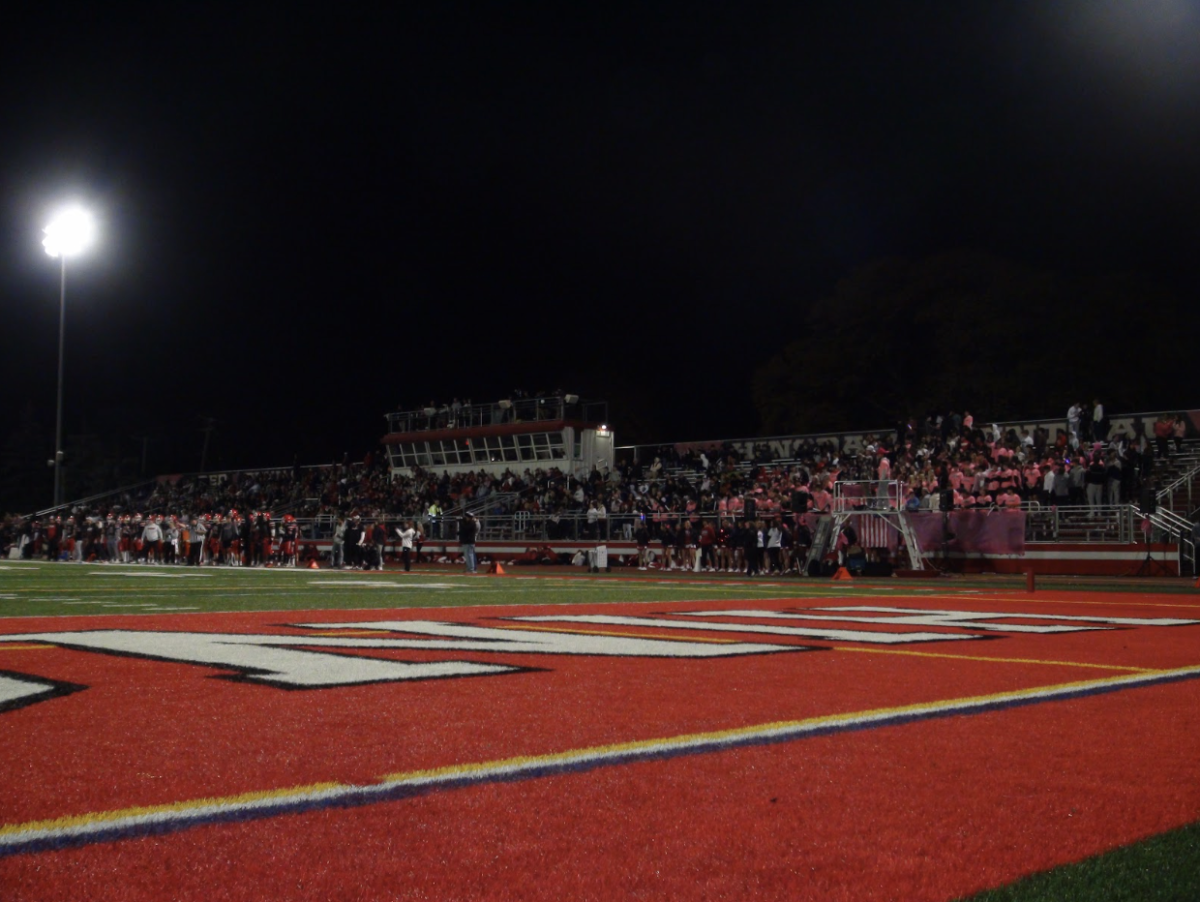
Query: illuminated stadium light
[{"x": 70, "y": 233}]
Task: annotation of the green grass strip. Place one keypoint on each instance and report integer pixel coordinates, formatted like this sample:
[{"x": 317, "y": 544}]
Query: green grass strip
[
  {"x": 1164, "y": 868},
  {"x": 61, "y": 589}
]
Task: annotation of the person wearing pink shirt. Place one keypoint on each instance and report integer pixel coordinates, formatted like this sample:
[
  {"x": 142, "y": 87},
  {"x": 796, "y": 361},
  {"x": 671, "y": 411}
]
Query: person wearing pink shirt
[
  {"x": 1033, "y": 480},
  {"x": 993, "y": 478}
]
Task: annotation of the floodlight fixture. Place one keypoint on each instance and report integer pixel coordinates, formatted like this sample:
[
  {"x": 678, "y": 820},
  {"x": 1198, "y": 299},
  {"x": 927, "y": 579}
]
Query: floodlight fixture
[{"x": 69, "y": 234}]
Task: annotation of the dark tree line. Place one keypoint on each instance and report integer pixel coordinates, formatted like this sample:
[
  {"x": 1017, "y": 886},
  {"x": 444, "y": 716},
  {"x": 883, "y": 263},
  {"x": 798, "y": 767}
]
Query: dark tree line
[{"x": 973, "y": 330}]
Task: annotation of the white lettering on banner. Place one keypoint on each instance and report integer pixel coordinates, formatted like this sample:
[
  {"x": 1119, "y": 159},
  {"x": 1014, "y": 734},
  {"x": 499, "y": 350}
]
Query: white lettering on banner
[{"x": 879, "y": 637}]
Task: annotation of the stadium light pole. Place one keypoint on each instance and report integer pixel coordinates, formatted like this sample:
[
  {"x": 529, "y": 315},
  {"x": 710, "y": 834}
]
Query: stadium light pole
[{"x": 70, "y": 233}]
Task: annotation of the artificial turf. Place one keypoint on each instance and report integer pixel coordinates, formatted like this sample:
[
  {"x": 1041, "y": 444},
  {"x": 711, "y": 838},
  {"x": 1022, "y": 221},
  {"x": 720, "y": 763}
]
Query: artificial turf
[
  {"x": 41, "y": 589},
  {"x": 1164, "y": 868}
]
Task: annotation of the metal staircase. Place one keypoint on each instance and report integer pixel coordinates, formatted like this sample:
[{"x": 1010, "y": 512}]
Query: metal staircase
[
  {"x": 915, "y": 560},
  {"x": 828, "y": 529}
]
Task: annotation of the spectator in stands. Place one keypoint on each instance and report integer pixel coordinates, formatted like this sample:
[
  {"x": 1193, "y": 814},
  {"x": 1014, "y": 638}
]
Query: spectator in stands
[
  {"x": 1094, "y": 479},
  {"x": 1008, "y": 499},
  {"x": 593, "y": 520},
  {"x": 1061, "y": 494},
  {"x": 1163, "y": 429},
  {"x": 1077, "y": 474},
  {"x": 1099, "y": 423},
  {"x": 1074, "y": 417},
  {"x": 1113, "y": 474}
]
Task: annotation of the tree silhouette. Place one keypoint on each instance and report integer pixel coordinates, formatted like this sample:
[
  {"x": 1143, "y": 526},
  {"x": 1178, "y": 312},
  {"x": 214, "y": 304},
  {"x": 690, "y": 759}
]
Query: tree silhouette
[{"x": 965, "y": 329}]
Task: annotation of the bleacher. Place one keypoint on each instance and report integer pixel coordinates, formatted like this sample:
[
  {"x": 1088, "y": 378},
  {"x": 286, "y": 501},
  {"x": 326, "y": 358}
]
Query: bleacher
[{"x": 748, "y": 464}]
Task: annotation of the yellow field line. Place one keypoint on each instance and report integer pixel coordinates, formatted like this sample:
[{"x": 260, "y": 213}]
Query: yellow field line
[
  {"x": 186, "y": 805},
  {"x": 594, "y": 756},
  {"x": 930, "y": 654}
]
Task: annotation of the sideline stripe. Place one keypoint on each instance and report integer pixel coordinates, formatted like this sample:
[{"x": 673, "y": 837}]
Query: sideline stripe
[
  {"x": 1026, "y": 599},
  {"x": 107, "y": 826},
  {"x": 929, "y": 654}
]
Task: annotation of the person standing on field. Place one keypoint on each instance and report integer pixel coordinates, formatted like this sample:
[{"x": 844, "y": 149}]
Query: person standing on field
[
  {"x": 337, "y": 556},
  {"x": 408, "y": 536},
  {"x": 468, "y": 529}
]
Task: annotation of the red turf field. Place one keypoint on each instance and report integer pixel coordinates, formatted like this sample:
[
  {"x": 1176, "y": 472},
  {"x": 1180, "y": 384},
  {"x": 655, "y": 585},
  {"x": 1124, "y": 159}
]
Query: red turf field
[{"x": 974, "y": 761}]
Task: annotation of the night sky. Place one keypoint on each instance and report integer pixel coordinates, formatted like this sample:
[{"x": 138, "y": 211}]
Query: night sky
[{"x": 313, "y": 215}]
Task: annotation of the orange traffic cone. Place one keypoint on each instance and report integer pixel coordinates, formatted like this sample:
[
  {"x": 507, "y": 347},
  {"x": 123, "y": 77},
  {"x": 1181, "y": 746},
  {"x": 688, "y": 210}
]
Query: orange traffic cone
[
  {"x": 842, "y": 573},
  {"x": 496, "y": 569},
  {"x": 312, "y": 565}
]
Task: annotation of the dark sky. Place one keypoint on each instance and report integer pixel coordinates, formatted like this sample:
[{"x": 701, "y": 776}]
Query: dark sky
[{"x": 312, "y": 214}]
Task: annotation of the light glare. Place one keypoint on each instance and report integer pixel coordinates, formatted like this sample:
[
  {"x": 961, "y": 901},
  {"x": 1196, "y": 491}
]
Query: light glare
[{"x": 70, "y": 233}]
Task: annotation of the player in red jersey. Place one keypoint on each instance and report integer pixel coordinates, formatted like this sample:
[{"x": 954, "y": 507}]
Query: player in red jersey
[{"x": 291, "y": 541}]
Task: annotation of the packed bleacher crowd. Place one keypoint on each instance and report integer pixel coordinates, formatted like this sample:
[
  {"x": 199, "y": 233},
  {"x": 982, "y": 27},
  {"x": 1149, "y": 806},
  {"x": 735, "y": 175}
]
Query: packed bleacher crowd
[{"x": 943, "y": 462}]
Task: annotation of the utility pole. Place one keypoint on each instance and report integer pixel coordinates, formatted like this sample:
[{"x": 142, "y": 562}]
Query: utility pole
[
  {"x": 209, "y": 427},
  {"x": 145, "y": 440}
]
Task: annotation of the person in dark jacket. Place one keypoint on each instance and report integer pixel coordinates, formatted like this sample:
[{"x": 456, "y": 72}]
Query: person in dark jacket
[{"x": 468, "y": 529}]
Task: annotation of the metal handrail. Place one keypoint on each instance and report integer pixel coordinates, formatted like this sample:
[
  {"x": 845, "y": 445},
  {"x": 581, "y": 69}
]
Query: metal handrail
[
  {"x": 1114, "y": 523},
  {"x": 1172, "y": 524},
  {"x": 1186, "y": 478},
  {"x": 111, "y": 493},
  {"x": 481, "y": 504}
]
